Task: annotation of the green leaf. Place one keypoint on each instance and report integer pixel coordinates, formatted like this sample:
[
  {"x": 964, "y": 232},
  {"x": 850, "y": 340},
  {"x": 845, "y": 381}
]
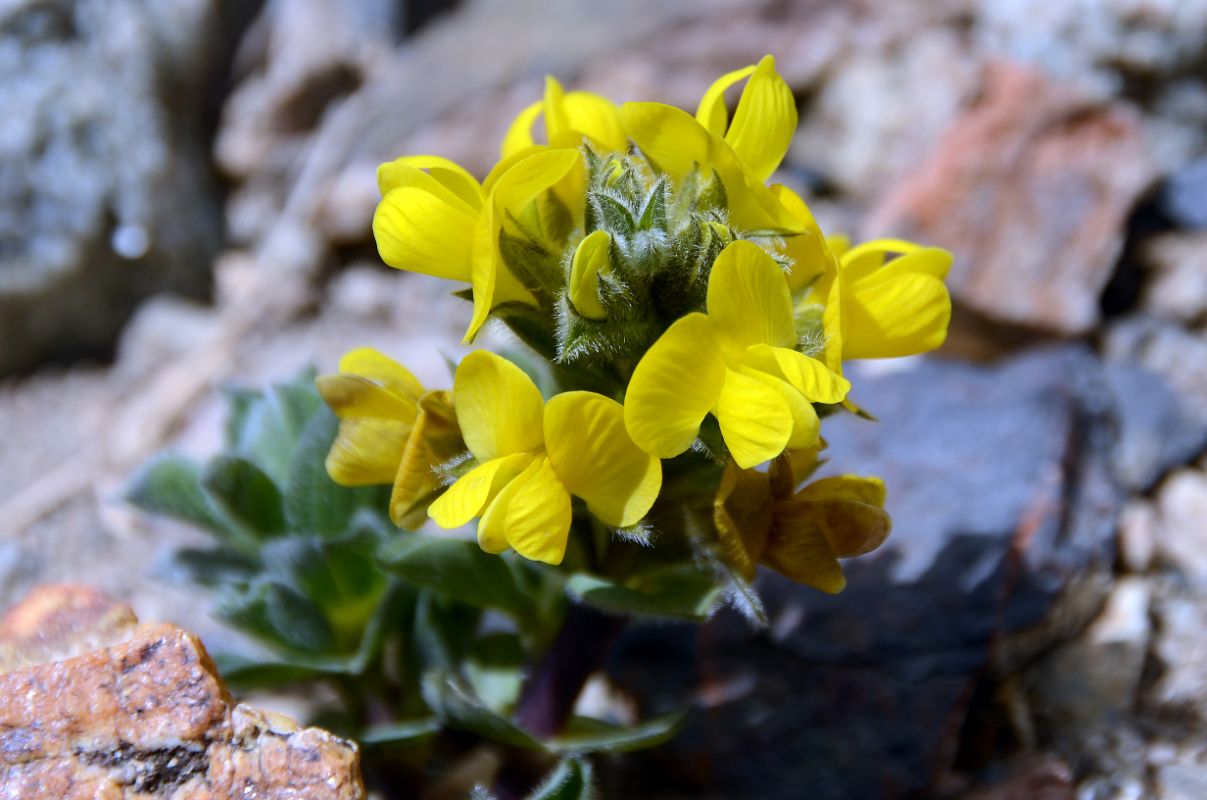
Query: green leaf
[
  {"x": 571, "y": 779},
  {"x": 400, "y": 734},
  {"x": 742, "y": 597},
  {"x": 217, "y": 567},
  {"x": 281, "y": 615},
  {"x": 584, "y": 735},
  {"x": 452, "y": 701},
  {"x": 247, "y": 674},
  {"x": 341, "y": 577},
  {"x": 654, "y": 214},
  {"x": 313, "y": 502},
  {"x": 458, "y": 569},
  {"x": 495, "y": 669},
  {"x": 681, "y": 591},
  {"x": 272, "y": 423},
  {"x": 171, "y": 486},
  {"x": 245, "y": 494}
]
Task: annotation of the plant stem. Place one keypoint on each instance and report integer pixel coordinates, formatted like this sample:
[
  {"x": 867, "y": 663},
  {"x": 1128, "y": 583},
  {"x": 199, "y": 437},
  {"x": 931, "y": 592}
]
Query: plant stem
[{"x": 551, "y": 689}]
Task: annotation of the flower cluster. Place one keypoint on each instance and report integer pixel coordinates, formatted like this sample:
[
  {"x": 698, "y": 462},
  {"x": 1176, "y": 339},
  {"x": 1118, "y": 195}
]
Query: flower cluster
[{"x": 693, "y": 321}]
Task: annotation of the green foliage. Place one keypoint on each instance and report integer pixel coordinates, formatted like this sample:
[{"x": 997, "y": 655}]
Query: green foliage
[{"x": 417, "y": 634}]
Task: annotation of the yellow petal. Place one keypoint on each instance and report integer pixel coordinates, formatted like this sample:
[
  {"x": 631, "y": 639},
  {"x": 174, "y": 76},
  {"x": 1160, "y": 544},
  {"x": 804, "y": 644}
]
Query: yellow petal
[
  {"x": 669, "y": 137},
  {"x": 900, "y": 317},
  {"x": 595, "y": 459},
  {"x": 807, "y": 375},
  {"x": 764, "y": 121},
  {"x": 491, "y": 282},
  {"x": 847, "y": 509},
  {"x": 492, "y": 528},
  {"x": 519, "y": 134},
  {"x": 748, "y": 299},
  {"x": 358, "y": 397},
  {"x": 799, "y": 550},
  {"x": 375, "y": 365},
  {"x": 810, "y": 255},
  {"x": 466, "y": 498},
  {"x": 419, "y": 231},
  {"x": 711, "y": 113},
  {"x": 510, "y": 192},
  {"x": 499, "y": 408},
  {"x": 538, "y": 515},
  {"x": 592, "y": 257},
  {"x": 755, "y": 420},
  {"x": 434, "y": 439},
  {"x": 367, "y": 451},
  {"x": 674, "y": 386},
  {"x": 932, "y": 261},
  {"x": 598, "y": 119},
  {"x": 441, "y": 173},
  {"x": 533, "y": 174},
  {"x": 753, "y": 207},
  {"x": 742, "y": 515}
]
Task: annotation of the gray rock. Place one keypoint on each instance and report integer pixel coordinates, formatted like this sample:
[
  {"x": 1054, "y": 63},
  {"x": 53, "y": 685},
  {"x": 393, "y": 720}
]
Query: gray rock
[
  {"x": 1177, "y": 266},
  {"x": 1158, "y": 430},
  {"x": 1183, "y": 197},
  {"x": 1181, "y": 781},
  {"x": 1000, "y": 487},
  {"x": 105, "y": 194},
  {"x": 1181, "y": 532},
  {"x": 1178, "y": 355}
]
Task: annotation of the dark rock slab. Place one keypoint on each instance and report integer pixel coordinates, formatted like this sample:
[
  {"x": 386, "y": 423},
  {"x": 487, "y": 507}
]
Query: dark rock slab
[{"x": 1004, "y": 505}]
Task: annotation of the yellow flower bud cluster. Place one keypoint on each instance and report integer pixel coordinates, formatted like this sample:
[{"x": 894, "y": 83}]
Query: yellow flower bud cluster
[{"x": 689, "y": 311}]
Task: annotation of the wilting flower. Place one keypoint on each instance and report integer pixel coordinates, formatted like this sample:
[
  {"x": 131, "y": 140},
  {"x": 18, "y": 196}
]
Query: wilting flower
[
  {"x": 532, "y": 456},
  {"x": 391, "y": 431},
  {"x": 760, "y": 518},
  {"x": 738, "y": 362}
]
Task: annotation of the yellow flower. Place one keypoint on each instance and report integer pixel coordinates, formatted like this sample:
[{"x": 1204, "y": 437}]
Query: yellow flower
[
  {"x": 761, "y": 519},
  {"x": 883, "y": 299},
  {"x": 568, "y": 118},
  {"x": 886, "y": 299},
  {"x": 743, "y": 153},
  {"x": 738, "y": 362},
  {"x": 435, "y": 219},
  {"x": 534, "y": 455},
  {"x": 391, "y": 431}
]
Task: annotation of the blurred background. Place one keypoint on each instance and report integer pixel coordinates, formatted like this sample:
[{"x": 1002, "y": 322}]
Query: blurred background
[{"x": 186, "y": 188}]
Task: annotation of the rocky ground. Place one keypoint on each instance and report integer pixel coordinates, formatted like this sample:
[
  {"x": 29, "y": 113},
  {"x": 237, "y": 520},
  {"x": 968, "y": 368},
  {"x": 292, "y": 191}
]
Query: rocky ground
[{"x": 1037, "y": 626}]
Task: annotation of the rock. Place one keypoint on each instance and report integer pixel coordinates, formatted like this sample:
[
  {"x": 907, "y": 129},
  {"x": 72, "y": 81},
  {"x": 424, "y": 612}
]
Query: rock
[
  {"x": 1183, "y": 196},
  {"x": 1157, "y": 429},
  {"x": 1047, "y": 780},
  {"x": 1106, "y": 40},
  {"x": 1181, "y": 654},
  {"x": 1030, "y": 189},
  {"x": 1137, "y": 535},
  {"x": 1177, "y": 283},
  {"x": 1004, "y": 508},
  {"x": 1081, "y": 696},
  {"x": 146, "y": 717},
  {"x": 57, "y": 622},
  {"x": 1178, "y": 355},
  {"x": 1184, "y": 781},
  {"x": 864, "y": 146},
  {"x": 105, "y": 189},
  {"x": 1181, "y": 532}
]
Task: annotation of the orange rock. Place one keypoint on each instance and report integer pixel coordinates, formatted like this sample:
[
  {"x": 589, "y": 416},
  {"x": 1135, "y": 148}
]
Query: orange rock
[
  {"x": 1030, "y": 189},
  {"x": 143, "y": 717}
]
